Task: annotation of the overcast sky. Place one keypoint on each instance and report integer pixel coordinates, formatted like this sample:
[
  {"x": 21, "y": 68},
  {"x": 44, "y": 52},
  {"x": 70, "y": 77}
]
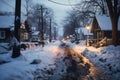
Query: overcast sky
[{"x": 60, "y": 11}]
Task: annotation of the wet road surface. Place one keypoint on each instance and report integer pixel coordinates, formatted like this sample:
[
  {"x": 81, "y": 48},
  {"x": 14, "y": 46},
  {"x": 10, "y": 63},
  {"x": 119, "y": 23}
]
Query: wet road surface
[{"x": 71, "y": 65}]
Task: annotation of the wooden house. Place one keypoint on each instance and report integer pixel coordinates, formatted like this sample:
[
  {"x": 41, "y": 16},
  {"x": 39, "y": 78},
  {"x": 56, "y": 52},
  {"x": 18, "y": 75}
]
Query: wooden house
[
  {"x": 6, "y": 24},
  {"x": 102, "y": 28},
  {"x": 24, "y": 36}
]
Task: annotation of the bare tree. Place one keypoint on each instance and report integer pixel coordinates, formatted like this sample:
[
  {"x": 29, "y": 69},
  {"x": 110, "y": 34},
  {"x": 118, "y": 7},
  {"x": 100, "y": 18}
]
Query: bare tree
[
  {"x": 47, "y": 15},
  {"x": 92, "y": 6},
  {"x": 27, "y": 6},
  {"x": 71, "y": 22},
  {"x": 87, "y": 9}
]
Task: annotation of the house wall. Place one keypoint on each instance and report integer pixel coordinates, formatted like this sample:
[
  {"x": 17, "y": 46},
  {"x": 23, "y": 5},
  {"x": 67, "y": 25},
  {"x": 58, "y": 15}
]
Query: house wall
[
  {"x": 95, "y": 28},
  {"x": 108, "y": 34},
  {"x": 35, "y": 38},
  {"x": 7, "y": 35},
  {"x": 95, "y": 35},
  {"x": 24, "y": 36}
]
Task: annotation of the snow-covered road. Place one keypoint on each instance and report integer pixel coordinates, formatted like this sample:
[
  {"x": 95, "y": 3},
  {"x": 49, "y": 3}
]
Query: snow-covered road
[
  {"x": 58, "y": 61},
  {"x": 72, "y": 65}
]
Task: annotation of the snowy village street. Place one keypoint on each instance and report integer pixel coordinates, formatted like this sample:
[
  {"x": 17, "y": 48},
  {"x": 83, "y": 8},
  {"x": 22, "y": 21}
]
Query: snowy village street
[
  {"x": 60, "y": 40},
  {"x": 60, "y": 61}
]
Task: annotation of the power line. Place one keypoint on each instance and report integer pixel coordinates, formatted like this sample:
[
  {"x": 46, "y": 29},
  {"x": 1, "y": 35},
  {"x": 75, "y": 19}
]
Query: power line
[
  {"x": 61, "y": 3},
  {"x": 71, "y": 5}
]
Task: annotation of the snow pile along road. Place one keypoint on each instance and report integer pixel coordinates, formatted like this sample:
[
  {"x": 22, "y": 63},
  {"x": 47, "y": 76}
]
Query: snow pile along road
[
  {"x": 107, "y": 58},
  {"x": 31, "y": 65}
]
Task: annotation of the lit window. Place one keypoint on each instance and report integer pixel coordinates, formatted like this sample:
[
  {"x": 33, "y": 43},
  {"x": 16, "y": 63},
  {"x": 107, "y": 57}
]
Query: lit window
[
  {"x": 2, "y": 34},
  {"x": 26, "y": 36}
]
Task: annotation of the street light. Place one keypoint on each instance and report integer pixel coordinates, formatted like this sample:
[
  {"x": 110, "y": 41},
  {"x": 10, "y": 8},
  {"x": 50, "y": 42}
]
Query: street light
[
  {"x": 67, "y": 37},
  {"x": 88, "y": 28}
]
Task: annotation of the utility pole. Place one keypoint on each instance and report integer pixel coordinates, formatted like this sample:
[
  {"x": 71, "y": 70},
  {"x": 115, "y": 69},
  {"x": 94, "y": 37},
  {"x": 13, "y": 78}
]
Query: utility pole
[
  {"x": 55, "y": 33},
  {"x": 42, "y": 31},
  {"x": 50, "y": 30},
  {"x": 16, "y": 48}
]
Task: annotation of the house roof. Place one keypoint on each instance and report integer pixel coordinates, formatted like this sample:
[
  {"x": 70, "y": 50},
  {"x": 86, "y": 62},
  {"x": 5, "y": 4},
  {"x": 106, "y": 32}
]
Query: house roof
[
  {"x": 36, "y": 33},
  {"x": 8, "y": 21},
  {"x": 105, "y": 23}
]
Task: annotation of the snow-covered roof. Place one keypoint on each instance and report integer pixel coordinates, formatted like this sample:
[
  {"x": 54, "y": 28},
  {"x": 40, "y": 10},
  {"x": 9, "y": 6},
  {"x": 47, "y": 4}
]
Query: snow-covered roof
[
  {"x": 8, "y": 21},
  {"x": 36, "y": 32},
  {"x": 85, "y": 31},
  {"x": 105, "y": 23}
]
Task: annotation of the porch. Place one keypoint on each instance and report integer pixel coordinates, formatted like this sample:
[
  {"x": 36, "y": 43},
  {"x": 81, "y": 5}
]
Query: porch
[{"x": 99, "y": 42}]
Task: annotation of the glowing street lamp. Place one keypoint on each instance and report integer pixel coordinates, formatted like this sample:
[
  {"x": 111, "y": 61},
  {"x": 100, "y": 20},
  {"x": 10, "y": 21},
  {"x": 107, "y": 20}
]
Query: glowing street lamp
[
  {"x": 67, "y": 37},
  {"x": 88, "y": 28}
]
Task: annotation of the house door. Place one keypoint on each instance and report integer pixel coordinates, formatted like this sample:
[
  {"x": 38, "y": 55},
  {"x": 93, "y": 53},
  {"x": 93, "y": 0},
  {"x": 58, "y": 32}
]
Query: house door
[{"x": 99, "y": 36}]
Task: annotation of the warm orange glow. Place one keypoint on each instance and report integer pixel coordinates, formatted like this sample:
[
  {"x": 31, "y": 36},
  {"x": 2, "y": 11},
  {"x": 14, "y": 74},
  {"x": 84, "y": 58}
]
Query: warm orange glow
[
  {"x": 67, "y": 37},
  {"x": 93, "y": 49},
  {"x": 88, "y": 27},
  {"x": 22, "y": 26}
]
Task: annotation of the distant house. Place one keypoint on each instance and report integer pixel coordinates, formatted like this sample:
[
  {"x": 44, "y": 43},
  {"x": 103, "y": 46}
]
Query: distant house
[
  {"x": 24, "y": 36},
  {"x": 84, "y": 33},
  {"x": 102, "y": 28},
  {"x": 35, "y": 36},
  {"x": 6, "y": 26}
]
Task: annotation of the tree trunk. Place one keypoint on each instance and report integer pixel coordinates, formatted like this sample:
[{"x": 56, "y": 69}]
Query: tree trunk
[
  {"x": 114, "y": 19},
  {"x": 114, "y": 32},
  {"x": 50, "y": 36}
]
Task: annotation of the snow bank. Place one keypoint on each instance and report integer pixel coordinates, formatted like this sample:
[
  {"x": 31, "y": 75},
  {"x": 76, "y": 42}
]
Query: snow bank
[
  {"x": 17, "y": 70},
  {"x": 4, "y": 48},
  {"x": 79, "y": 48},
  {"x": 107, "y": 58},
  {"x": 22, "y": 69}
]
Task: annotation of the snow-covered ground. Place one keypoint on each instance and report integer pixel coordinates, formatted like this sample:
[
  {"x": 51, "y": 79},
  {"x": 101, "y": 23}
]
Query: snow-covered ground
[
  {"x": 4, "y": 47},
  {"x": 37, "y": 62},
  {"x": 25, "y": 66},
  {"x": 107, "y": 58}
]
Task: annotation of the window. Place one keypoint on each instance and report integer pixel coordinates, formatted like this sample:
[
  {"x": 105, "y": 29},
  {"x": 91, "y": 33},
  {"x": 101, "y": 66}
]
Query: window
[
  {"x": 25, "y": 35},
  {"x": 2, "y": 34}
]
